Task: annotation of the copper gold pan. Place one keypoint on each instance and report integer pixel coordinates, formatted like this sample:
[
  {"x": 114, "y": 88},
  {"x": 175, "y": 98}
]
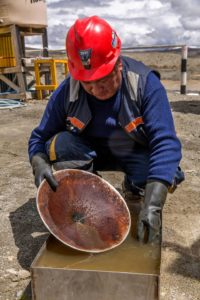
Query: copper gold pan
[{"x": 85, "y": 213}]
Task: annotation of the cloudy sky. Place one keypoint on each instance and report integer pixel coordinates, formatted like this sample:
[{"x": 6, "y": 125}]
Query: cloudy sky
[{"x": 138, "y": 22}]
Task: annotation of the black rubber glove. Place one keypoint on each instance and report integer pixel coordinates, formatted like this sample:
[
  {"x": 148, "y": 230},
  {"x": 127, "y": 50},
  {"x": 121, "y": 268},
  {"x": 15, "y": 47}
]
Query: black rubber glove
[
  {"x": 149, "y": 220},
  {"x": 42, "y": 170}
]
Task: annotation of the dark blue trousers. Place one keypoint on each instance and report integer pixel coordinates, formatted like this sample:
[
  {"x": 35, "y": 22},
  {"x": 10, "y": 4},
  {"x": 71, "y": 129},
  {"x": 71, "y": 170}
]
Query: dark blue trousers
[{"x": 66, "y": 150}]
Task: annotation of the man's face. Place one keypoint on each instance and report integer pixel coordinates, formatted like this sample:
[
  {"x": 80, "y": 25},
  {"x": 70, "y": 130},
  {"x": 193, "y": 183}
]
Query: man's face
[{"x": 105, "y": 87}]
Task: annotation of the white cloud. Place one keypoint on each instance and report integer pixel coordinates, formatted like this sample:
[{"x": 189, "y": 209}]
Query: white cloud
[{"x": 138, "y": 22}]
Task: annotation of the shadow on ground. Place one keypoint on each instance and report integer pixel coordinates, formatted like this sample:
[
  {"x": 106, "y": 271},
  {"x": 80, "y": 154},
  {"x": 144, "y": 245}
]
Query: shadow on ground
[
  {"x": 186, "y": 107},
  {"x": 28, "y": 231},
  {"x": 29, "y": 235},
  {"x": 188, "y": 262}
]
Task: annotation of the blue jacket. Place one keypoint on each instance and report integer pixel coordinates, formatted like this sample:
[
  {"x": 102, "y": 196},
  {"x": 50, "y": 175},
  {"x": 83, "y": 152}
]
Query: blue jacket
[{"x": 144, "y": 114}]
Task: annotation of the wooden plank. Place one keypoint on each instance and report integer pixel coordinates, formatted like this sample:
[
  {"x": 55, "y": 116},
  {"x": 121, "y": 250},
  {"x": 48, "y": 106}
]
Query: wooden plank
[
  {"x": 5, "y": 29},
  {"x": 20, "y": 78},
  {"x": 30, "y": 84},
  {"x": 45, "y": 53},
  {"x": 15, "y": 34},
  {"x": 10, "y": 70},
  {"x": 9, "y": 83},
  {"x": 32, "y": 30},
  {"x": 21, "y": 96},
  {"x": 16, "y": 44}
]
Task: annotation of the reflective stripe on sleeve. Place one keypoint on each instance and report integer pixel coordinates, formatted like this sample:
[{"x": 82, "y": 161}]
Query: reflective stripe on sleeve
[
  {"x": 52, "y": 149},
  {"x": 76, "y": 122},
  {"x": 133, "y": 124}
]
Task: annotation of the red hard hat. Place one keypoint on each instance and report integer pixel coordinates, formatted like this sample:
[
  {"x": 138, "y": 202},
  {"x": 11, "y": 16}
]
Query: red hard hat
[{"x": 93, "y": 48}]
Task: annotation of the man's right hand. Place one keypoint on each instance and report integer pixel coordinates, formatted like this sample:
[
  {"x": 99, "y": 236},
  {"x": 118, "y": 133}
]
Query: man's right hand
[{"x": 42, "y": 170}]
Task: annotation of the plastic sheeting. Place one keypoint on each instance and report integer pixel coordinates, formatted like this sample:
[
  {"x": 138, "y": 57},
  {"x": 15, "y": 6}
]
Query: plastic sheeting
[
  {"x": 10, "y": 104},
  {"x": 23, "y": 12}
]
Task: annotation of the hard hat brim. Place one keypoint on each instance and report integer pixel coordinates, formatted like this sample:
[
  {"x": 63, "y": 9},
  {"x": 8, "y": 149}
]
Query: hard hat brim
[{"x": 94, "y": 73}]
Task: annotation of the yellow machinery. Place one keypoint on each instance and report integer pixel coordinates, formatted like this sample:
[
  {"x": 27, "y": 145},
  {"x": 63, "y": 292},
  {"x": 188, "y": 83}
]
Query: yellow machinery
[
  {"x": 7, "y": 57},
  {"x": 19, "y": 19},
  {"x": 50, "y": 63}
]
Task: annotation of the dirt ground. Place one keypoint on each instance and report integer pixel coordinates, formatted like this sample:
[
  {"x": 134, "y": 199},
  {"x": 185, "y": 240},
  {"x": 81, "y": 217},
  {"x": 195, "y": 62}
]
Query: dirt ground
[{"x": 22, "y": 233}]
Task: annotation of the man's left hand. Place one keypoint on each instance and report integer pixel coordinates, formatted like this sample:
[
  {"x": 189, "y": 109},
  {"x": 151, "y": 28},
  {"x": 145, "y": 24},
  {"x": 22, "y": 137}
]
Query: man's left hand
[{"x": 149, "y": 220}]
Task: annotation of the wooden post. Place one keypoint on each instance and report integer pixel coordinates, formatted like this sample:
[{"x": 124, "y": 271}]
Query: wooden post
[
  {"x": 184, "y": 70},
  {"x": 18, "y": 56},
  {"x": 45, "y": 53},
  {"x": 45, "y": 43}
]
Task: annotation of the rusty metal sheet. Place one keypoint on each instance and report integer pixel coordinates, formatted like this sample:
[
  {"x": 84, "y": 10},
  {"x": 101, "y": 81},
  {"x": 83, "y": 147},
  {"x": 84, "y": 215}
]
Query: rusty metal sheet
[{"x": 85, "y": 213}]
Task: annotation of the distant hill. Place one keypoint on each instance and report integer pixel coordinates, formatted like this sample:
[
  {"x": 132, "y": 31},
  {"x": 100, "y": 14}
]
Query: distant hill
[{"x": 192, "y": 51}]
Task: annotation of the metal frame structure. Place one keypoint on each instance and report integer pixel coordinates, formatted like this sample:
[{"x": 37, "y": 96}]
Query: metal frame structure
[
  {"x": 184, "y": 55},
  {"x": 18, "y": 71},
  {"x": 50, "y": 63}
]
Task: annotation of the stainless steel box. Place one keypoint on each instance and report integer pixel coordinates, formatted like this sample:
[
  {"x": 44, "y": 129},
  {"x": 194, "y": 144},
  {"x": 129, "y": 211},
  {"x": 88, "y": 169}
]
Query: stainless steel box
[{"x": 130, "y": 271}]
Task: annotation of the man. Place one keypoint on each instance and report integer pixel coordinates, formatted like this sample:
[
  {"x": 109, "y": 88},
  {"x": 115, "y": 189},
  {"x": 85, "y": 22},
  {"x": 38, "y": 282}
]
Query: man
[{"x": 110, "y": 113}]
